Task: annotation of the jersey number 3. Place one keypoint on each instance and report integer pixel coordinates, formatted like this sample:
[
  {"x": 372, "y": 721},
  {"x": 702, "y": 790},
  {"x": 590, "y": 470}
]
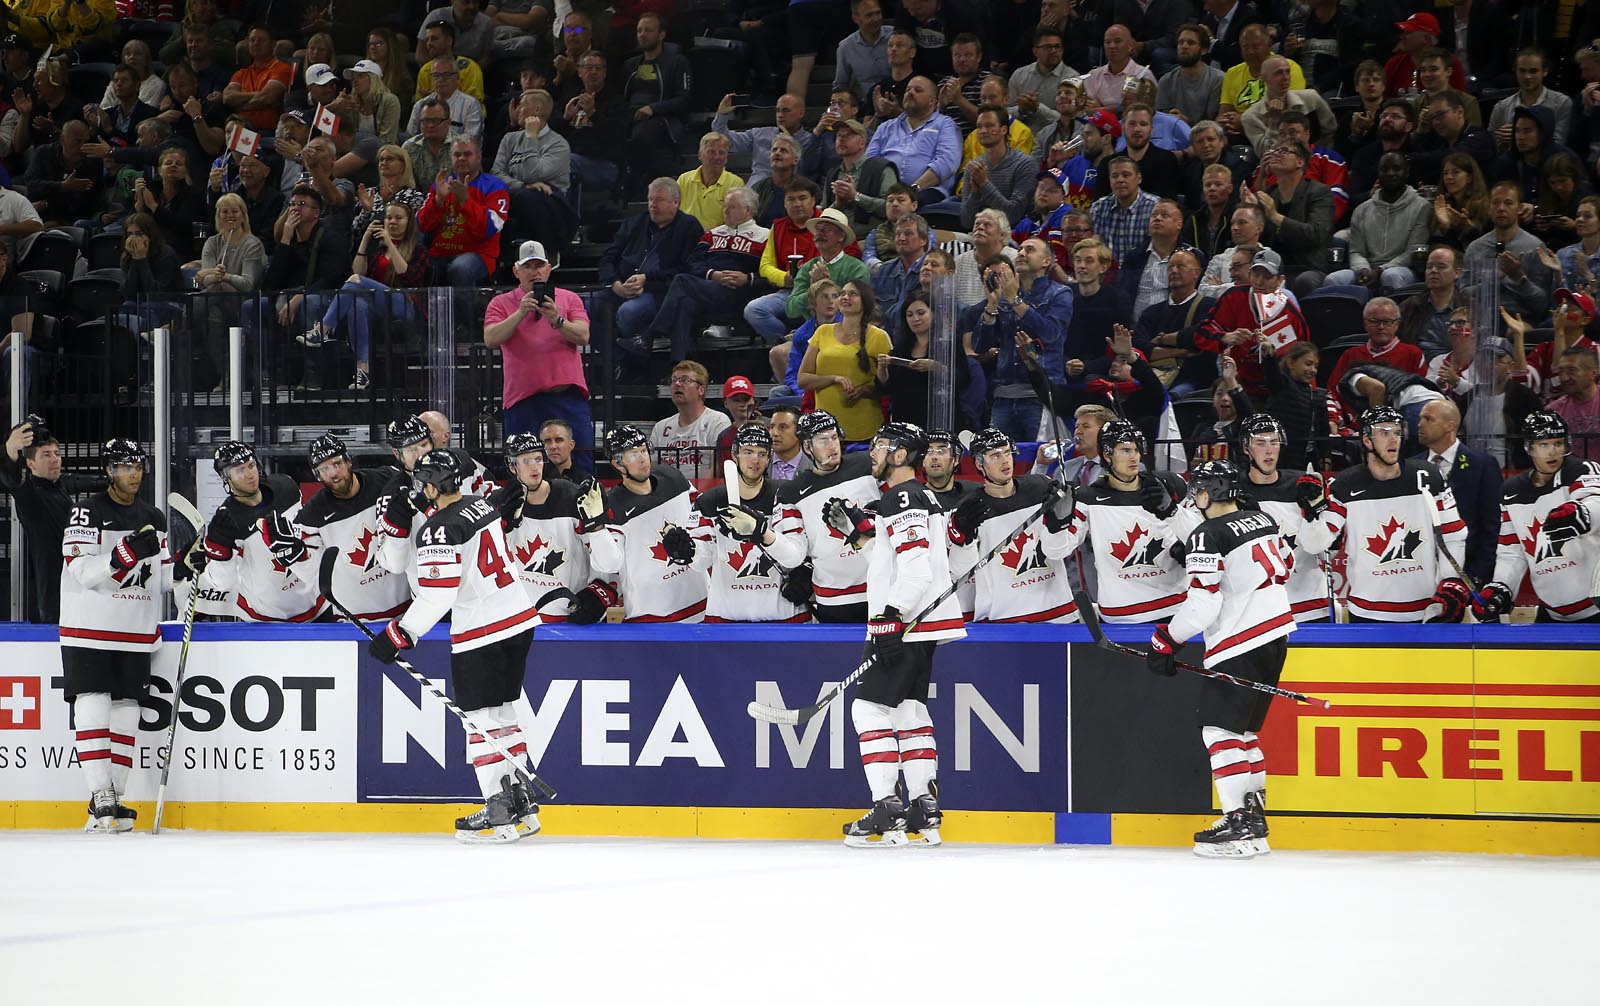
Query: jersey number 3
[
  {"x": 491, "y": 563},
  {"x": 1272, "y": 563}
]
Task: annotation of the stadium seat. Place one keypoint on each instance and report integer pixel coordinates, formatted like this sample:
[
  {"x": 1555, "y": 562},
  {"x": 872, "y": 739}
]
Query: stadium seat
[
  {"x": 94, "y": 294},
  {"x": 104, "y": 251},
  {"x": 1332, "y": 351},
  {"x": 47, "y": 286},
  {"x": 88, "y": 81},
  {"x": 51, "y": 250},
  {"x": 1333, "y": 312}
]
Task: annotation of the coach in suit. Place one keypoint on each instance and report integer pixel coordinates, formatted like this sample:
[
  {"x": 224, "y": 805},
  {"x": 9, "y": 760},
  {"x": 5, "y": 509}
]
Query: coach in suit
[
  {"x": 1474, "y": 478},
  {"x": 1083, "y": 469}
]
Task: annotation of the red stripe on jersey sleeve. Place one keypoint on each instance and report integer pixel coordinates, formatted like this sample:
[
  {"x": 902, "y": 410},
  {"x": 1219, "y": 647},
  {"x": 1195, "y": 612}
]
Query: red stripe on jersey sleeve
[{"x": 1452, "y": 527}]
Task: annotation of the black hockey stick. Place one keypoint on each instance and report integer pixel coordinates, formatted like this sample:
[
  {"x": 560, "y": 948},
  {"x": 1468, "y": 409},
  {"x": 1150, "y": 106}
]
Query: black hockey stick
[
  {"x": 330, "y": 557},
  {"x": 1091, "y": 619},
  {"x": 183, "y": 508},
  {"x": 775, "y": 714},
  {"x": 1444, "y": 550}
]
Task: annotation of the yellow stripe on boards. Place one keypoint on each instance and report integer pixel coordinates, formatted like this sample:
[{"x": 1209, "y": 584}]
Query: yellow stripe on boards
[{"x": 1379, "y": 834}]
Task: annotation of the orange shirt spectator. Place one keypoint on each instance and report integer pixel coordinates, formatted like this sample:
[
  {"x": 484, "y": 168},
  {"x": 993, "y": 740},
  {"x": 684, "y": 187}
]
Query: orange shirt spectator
[{"x": 257, "y": 91}]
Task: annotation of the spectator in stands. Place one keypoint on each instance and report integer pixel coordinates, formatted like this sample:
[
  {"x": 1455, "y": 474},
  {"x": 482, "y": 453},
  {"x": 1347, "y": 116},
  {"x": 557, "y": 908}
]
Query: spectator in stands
[
  {"x": 1024, "y": 300},
  {"x": 16, "y": 64},
  {"x": 1208, "y": 146},
  {"x": 1142, "y": 276},
  {"x": 1001, "y": 177},
  {"x": 1532, "y": 148},
  {"x": 1461, "y": 206},
  {"x": 1510, "y": 403},
  {"x": 1104, "y": 83},
  {"x": 1192, "y": 89},
  {"x": 1381, "y": 317},
  {"x": 1049, "y": 211},
  {"x": 311, "y": 256},
  {"x": 389, "y": 255},
  {"x": 961, "y": 93},
  {"x": 1225, "y": 21},
  {"x": 1209, "y": 227},
  {"x": 1213, "y": 439},
  {"x": 786, "y": 357},
  {"x": 739, "y": 399},
  {"x": 385, "y": 48},
  {"x": 789, "y": 121},
  {"x": 1166, "y": 325},
  {"x": 263, "y": 200},
  {"x": 463, "y": 216},
  {"x": 637, "y": 268},
  {"x": 173, "y": 202},
  {"x": 232, "y": 264},
  {"x": 200, "y": 51},
  {"x": 41, "y": 115},
  {"x": 377, "y": 108},
  {"x": 788, "y": 460},
  {"x": 1571, "y": 319},
  {"x": 64, "y": 183},
  {"x": 314, "y": 82},
  {"x": 576, "y": 40},
  {"x": 196, "y": 123},
  {"x": 257, "y": 91},
  {"x": 1580, "y": 262},
  {"x": 294, "y": 132},
  {"x": 1385, "y": 232},
  {"x": 862, "y": 59},
  {"x": 1294, "y": 400},
  {"x": 152, "y": 275},
  {"x": 1433, "y": 79},
  {"x": 831, "y": 232},
  {"x": 518, "y": 27},
  {"x": 1096, "y": 307},
  {"x": 559, "y": 440},
  {"x": 991, "y": 236},
  {"x": 1261, "y": 120},
  {"x": 840, "y": 364},
  {"x": 1451, "y": 371},
  {"x": 338, "y": 194},
  {"x": 824, "y": 159},
  {"x": 1122, "y": 219},
  {"x": 657, "y": 86},
  {"x": 1167, "y": 131},
  {"x": 1159, "y": 171},
  {"x": 706, "y": 188},
  {"x": 1401, "y": 73},
  {"x": 905, "y": 379},
  {"x": 466, "y": 111},
  {"x": 1579, "y": 400},
  {"x": 1397, "y": 124},
  {"x": 888, "y": 94},
  {"x": 116, "y": 123},
  {"x": 1425, "y": 317},
  {"x": 1511, "y": 251},
  {"x": 859, "y": 185},
  {"x": 993, "y": 91},
  {"x": 1562, "y": 184},
  {"x": 147, "y": 85},
  {"x": 1532, "y": 69},
  {"x": 429, "y": 150},
  {"x": 535, "y": 164},
  {"x": 63, "y": 23},
  {"x": 1064, "y": 127},
  {"x": 901, "y": 276},
  {"x": 396, "y": 184},
  {"x": 1299, "y": 216},
  {"x": 596, "y": 122},
  {"x": 688, "y": 439},
  {"x": 923, "y": 143},
  {"x": 1086, "y": 175},
  {"x": 1326, "y": 166},
  {"x": 1242, "y": 84},
  {"x": 898, "y": 203},
  {"x": 1039, "y": 79},
  {"x": 728, "y": 265},
  {"x": 789, "y": 244},
  {"x": 1235, "y": 325},
  {"x": 785, "y": 171},
  {"x": 470, "y": 31}
]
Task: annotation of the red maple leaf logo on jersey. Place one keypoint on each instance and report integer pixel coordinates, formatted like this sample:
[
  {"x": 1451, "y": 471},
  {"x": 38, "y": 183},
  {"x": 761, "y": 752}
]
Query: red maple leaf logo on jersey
[
  {"x": 1394, "y": 541},
  {"x": 525, "y": 553},
  {"x": 658, "y": 551},
  {"x": 361, "y": 552},
  {"x": 1024, "y": 554},
  {"x": 1130, "y": 552},
  {"x": 1530, "y": 543},
  {"x": 747, "y": 560}
]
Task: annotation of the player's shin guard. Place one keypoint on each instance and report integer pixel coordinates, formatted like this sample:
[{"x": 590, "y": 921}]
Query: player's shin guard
[
  {"x": 1230, "y": 765},
  {"x": 919, "y": 757},
  {"x": 487, "y": 763},
  {"x": 880, "y": 753},
  {"x": 91, "y": 716},
  {"x": 124, "y": 731}
]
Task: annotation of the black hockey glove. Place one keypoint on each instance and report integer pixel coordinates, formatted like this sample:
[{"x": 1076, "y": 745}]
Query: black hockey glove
[
  {"x": 679, "y": 545},
  {"x": 398, "y": 513},
  {"x": 1156, "y": 498},
  {"x": 886, "y": 633},
  {"x": 135, "y": 548},
  {"x": 742, "y": 523},
  {"x": 221, "y": 535},
  {"x": 1312, "y": 495},
  {"x": 796, "y": 586},
  {"x": 387, "y": 645},
  {"x": 510, "y": 501},
  {"x": 591, "y": 507},
  {"x": 1566, "y": 522},
  {"x": 589, "y": 604},
  {"x": 1454, "y": 597},
  {"x": 968, "y": 516},
  {"x": 1162, "y": 657},
  {"x": 1060, "y": 501},
  {"x": 853, "y": 522},
  {"x": 1179, "y": 552},
  {"x": 286, "y": 545},
  {"x": 1497, "y": 600},
  {"x": 190, "y": 563}
]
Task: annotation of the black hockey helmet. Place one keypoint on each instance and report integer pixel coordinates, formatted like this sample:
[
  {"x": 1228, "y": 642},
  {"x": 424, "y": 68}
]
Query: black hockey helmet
[
  {"x": 234, "y": 452},
  {"x": 326, "y": 448},
  {"x": 519, "y": 444},
  {"x": 624, "y": 438},
  {"x": 1221, "y": 480},
  {"x": 1260, "y": 424},
  {"x": 988, "y": 440},
  {"x": 899, "y": 433},
  {"x": 1380, "y": 414},
  {"x": 402, "y": 433},
  {"x": 438, "y": 468},
  {"x": 944, "y": 437},
  {"x": 1542, "y": 424},
  {"x": 813, "y": 423},
  {"x": 1118, "y": 431},
  {"x": 752, "y": 435},
  {"x": 118, "y": 451}
]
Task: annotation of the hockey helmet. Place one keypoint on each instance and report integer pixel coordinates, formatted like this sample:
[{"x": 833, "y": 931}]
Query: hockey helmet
[
  {"x": 1118, "y": 431},
  {"x": 624, "y": 438},
  {"x": 1380, "y": 414},
  {"x": 1221, "y": 480},
  {"x": 326, "y": 448},
  {"x": 752, "y": 435},
  {"x": 1544, "y": 424},
  {"x": 121, "y": 452},
  {"x": 1259, "y": 424},
  {"x": 813, "y": 423},
  {"x": 988, "y": 440},
  {"x": 519, "y": 444},
  {"x": 438, "y": 468},
  {"x": 234, "y": 452},
  {"x": 899, "y": 433},
  {"x": 943, "y": 437},
  {"x": 402, "y": 433}
]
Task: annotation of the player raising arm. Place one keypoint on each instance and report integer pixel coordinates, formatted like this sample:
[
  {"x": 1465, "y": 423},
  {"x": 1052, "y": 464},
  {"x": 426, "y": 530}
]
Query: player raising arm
[
  {"x": 252, "y": 546},
  {"x": 551, "y": 527},
  {"x": 839, "y": 548},
  {"x": 755, "y": 539},
  {"x": 341, "y": 516}
]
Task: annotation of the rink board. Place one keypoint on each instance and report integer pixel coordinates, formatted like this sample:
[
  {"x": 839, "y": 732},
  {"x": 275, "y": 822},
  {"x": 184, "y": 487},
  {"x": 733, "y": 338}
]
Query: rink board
[{"x": 1460, "y": 738}]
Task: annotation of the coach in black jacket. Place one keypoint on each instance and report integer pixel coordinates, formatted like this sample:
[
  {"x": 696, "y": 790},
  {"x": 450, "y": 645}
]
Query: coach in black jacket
[
  {"x": 1474, "y": 479},
  {"x": 30, "y": 471}
]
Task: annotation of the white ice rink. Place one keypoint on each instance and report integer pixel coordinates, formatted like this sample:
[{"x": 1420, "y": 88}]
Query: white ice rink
[{"x": 221, "y": 918}]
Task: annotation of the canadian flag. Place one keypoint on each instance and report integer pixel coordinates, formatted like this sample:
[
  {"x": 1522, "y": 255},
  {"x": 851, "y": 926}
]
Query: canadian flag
[
  {"x": 242, "y": 141},
  {"x": 1272, "y": 314},
  {"x": 325, "y": 120}
]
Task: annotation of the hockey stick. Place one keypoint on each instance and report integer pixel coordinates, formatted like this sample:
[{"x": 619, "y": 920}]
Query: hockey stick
[
  {"x": 183, "y": 508},
  {"x": 330, "y": 557},
  {"x": 774, "y": 714},
  {"x": 1444, "y": 550},
  {"x": 1091, "y": 619}
]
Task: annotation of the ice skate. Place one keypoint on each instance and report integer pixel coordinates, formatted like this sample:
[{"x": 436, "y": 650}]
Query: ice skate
[
  {"x": 1229, "y": 838},
  {"x": 1255, "y": 806},
  {"x": 496, "y": 822},
  {"x": 527, "y": 810},
  {"x": 923, "y": 819},
  {"x": 884, "y": 825},
  {"x": 103, "y": 813}
]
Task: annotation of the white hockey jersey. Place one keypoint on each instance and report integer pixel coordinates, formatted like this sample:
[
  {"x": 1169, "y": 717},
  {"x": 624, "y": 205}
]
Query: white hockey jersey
[
  {"x": 1236, "y": 566},
  {"x": 910, "y": 565},
  {"x": 746, "y": 578},
  {"x": 264, "y": 589},
  {"x": 838, "y": 572},
  {"x": 103, "y": 607},
  {"x": 549, "y": 552},
  {"x": 653, "y": 589},
  {"x": 350, "y": 525},
  {"x": 398, "y": 552},
  {"x": 1308, "y": 585},
  {"x": 1028, "y": 581},
  {"x": 1138, "y": 580},
  {"x": 1560, "y": 571},
  {"x": 1391, "y": 560},
  {"x": 464, "y": 569}
]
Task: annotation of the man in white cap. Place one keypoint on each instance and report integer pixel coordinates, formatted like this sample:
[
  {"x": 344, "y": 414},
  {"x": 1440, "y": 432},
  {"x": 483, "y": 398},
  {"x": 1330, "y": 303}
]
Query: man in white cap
[
  {"x": 539, "y": 329},
  {"x": 832, "y": 232},
  {"x": 322, "y": 88}
]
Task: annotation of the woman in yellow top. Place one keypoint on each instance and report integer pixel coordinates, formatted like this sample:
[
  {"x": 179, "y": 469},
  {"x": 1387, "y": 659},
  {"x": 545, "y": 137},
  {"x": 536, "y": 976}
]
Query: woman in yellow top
[{"x": 841, "y": 364}]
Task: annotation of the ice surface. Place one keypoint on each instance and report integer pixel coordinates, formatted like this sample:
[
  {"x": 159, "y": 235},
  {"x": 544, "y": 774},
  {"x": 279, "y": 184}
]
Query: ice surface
[{"x": 223, "y": 918}]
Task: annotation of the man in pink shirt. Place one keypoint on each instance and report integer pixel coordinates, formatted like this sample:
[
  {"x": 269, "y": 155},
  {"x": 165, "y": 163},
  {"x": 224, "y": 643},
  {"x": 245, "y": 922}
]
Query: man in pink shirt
[
  {"x": 539, "y": 329},
  {"x": 1579, "y": 401}
]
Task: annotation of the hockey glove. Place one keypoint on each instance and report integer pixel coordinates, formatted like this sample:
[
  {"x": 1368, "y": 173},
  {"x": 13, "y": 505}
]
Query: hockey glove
[
  {"x": 1566, "y": 522},
  {"x": 679, "y": 545},
  {"x": 1454, "y": 597},
  {"x": 398, "y": 513},
  {"x": 591, "y": 507},
  {"x": 286, "y": 546},
  {"x": 135, "y": 548},
  {"x": 221, "y": 535},
  {"x": 1156, "y": 498},
  {"x": 886, "y": 633},
  {"x": 852, "y": 522},
  {"x": 1060, "y": 502},
  {"x": 190, "y": 563},
  {"x": 509, "y": 501},
  {"x": 1497, "y": 600},
  {"x": 387, "y": 645},
  {"x": 1162, "y": 657},
  {"x": 1179, "y": 552},
  {"x": 589, "y": 604},
  {"x": 969, "y": 515},
  {"x": 742, "y": 523},
  {"x": 796, "y": 586},
  {"x": 1312, "y": 495}
]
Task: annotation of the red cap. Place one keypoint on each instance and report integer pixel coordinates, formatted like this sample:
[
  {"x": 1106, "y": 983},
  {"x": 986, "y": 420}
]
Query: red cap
[
  {"x": 737, "y": 385},
  {"x": 1576, "y": 298},
  {"x": 1420, "y": 22},
  {"x": 1105, "y": 120}
]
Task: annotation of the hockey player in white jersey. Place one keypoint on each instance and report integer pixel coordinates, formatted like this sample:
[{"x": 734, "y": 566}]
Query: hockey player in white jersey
[
  {"x": 1124, "y": 517},
  {"x": 1392, "y": 562},
  {"x": 755, "y": 539},
  {"x": 1236, "y": 563},
  {"x": 551, "y": 526},
  {"x": 1028, "y": 583},
  {"x": 252, "y": 547},
  {"x": 401, "y": 509},
  {"x": 909, "y": 569},
  {"x": 660, "y": 563},
  {"x": 939, "y": 470},
  {"x": 1547, "y": 529},
  {"x": 838, "y": 534},
  {"x": 341, "y": 515},
  {"x": 114, "y": 577},
  {"x": 1276, "y": 492},
  {"x": 465, "y": 570}
]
